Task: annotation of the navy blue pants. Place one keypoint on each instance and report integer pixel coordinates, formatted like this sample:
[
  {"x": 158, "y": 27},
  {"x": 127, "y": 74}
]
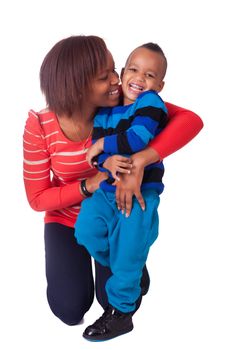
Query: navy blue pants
[{"x": 70, "y": 282}]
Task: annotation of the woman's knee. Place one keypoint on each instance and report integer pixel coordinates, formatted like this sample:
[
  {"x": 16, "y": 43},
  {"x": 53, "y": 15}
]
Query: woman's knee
[{"x": 68, "y": 312}]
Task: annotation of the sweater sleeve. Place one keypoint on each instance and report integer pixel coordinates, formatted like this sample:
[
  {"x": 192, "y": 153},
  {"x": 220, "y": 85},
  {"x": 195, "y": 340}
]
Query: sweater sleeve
[
  {"x": 182, "y": 127},
  {"x": 148, "y": 119},
  {"x": 41, "y": 193}
]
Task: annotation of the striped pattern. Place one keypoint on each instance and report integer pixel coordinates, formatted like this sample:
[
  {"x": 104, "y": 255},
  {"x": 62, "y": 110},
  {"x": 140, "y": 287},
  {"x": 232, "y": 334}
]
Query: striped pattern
[
  {"x": 129, "y": 129},
  {"x": 53, "y": 168}
]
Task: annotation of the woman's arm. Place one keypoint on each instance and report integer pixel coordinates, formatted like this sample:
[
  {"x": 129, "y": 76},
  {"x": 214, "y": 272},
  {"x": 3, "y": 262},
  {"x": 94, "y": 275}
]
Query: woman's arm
[
  {"x": 41, "y": 193},
  {"x": 183, "y": 126}
]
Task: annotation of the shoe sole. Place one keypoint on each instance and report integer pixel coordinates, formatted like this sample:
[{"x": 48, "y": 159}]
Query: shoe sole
[{"x": 93, "y": 339}]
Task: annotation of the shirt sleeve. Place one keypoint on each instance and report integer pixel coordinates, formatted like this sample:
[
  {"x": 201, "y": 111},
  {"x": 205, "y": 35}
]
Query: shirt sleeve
[
  {"x": 148, "y": 120},
  {"x": 100, "y": 159},
  {"x": 41, "y": 193},
  {"x": 182, "y": 127}
]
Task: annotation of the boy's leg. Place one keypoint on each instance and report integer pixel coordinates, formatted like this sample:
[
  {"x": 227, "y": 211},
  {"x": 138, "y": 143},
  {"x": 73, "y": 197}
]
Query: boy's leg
[
  {"x": 129, "y": 246},
  {"x": 103, "y": 273},
  {"x": 93, "y": 223}
]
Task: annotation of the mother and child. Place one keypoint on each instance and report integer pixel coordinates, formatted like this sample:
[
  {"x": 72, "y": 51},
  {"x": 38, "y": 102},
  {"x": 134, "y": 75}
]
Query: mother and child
[{"x": 98, "y": 147}]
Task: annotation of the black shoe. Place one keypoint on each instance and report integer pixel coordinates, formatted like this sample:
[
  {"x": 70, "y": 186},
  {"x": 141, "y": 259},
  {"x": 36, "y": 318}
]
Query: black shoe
[{"x": 110, "y": 325}]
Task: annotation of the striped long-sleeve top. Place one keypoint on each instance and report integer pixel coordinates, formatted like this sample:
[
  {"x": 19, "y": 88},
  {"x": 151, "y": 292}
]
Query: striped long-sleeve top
[
  {"x": 127, "y": 130},
  {"x": 53, "y": 168},
  {"x": 54, "y": 165}
]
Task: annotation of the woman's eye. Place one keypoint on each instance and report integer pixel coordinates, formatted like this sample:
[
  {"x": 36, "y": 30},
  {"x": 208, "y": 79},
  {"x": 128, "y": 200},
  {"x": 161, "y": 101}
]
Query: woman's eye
[{"x": 104, "y": 77}]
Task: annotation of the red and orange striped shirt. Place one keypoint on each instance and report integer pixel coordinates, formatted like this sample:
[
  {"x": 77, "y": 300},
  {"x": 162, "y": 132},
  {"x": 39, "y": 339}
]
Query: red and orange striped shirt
[{"x": 53, "y": 168}]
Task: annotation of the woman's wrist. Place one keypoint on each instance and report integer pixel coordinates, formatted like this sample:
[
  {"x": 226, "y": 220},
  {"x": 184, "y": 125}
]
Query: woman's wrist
[
  {"x": 145, "y": 157},
  {"x": 84, "y": 190}
]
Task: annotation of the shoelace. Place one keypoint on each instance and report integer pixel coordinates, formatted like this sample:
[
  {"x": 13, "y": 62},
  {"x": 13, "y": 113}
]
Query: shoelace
[{"x": 104, "y": 318}]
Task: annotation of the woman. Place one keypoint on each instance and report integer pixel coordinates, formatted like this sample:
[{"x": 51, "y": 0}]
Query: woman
[{"x": 77, "y": 76}]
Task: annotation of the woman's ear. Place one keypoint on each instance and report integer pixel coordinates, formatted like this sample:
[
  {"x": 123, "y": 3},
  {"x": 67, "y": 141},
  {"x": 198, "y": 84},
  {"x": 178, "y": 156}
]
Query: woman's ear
[{"x": 122, "y": 72}]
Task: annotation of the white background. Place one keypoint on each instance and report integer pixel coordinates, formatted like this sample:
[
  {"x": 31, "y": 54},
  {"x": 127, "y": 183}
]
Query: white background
[{"x": 189, "y": 305}]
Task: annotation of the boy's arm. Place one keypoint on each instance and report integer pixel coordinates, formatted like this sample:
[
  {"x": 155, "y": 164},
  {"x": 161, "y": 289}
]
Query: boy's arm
[{"x": 149, "y": 118}]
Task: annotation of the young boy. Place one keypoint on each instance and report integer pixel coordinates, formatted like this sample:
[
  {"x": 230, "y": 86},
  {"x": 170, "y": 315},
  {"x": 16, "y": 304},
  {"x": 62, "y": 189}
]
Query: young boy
[{"x": 113, "y": 239}]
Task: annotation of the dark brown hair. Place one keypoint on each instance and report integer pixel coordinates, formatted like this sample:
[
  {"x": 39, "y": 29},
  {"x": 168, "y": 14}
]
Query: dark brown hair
[{"x": 68, "y": 70}]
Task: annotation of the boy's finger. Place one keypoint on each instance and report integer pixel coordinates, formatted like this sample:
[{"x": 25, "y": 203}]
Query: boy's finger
[
  {"x": 124, "y": 159},
  {"x": 123, "y": 171},
  {"x": 125, "y": 165}
]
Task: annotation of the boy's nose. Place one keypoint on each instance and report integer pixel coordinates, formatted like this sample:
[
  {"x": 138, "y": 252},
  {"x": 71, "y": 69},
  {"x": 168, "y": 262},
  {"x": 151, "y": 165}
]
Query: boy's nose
[{"x": 141, "y": 77}]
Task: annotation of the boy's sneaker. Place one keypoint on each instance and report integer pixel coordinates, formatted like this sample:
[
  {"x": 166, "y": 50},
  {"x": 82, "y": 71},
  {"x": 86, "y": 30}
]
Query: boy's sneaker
[{"x": 110, "y": 325}]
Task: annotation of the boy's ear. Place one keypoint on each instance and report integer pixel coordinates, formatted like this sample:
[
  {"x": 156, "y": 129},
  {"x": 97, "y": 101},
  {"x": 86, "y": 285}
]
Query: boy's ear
[
  {"x": 161, "y": 85},
  {"x": 122, "y": 72}
]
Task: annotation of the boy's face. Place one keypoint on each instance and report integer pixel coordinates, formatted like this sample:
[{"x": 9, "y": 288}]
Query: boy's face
[{"x": 144, "y": 71}]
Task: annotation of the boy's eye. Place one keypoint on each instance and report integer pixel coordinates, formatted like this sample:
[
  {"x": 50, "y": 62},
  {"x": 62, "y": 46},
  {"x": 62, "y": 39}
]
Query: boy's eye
[
  {"x": 149, "y": 75},
  {"x": 131, "y": 69}
]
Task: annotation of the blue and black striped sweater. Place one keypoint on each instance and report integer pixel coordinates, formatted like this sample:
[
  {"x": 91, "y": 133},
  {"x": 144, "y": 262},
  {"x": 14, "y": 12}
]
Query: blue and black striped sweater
[{"x": 127, "y": 130}]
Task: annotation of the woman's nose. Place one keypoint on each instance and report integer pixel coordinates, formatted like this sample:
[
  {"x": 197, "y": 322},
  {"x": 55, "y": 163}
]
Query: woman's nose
[{"x": 115, "y": 78}]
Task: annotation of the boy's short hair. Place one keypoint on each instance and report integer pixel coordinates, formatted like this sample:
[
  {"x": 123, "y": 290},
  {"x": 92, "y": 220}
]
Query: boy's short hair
[{"x": 156, "y": 48}]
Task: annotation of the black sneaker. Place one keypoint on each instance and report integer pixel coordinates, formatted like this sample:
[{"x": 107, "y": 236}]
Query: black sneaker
[
  {"x": 110, "y": 325},
  {"x": 145, "y": 281}
]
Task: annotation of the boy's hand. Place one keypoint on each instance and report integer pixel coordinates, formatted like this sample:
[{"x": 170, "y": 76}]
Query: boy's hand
[
  {"x": 94, "y": 150},
  {"x": 118, "y": 164}
]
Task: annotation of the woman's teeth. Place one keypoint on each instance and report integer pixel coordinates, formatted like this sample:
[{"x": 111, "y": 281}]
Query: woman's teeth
[{"x": 114, "y": 92}]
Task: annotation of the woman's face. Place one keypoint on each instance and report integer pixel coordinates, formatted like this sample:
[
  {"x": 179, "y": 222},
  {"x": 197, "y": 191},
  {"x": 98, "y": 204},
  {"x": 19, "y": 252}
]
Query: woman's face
[{"x": 104, "y": 90}]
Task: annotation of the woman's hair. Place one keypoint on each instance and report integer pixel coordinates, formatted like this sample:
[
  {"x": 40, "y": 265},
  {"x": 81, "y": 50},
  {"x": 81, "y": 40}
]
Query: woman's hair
[{"x": 68, "y": 70}]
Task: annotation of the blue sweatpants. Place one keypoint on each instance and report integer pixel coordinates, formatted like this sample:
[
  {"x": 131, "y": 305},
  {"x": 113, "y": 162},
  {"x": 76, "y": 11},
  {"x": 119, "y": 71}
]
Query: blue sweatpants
[{"x": 118, "y": 242}]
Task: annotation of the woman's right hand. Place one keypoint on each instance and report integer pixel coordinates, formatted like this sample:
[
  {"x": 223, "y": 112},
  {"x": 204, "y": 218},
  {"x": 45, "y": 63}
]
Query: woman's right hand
[
  {"x": 130, "y": 184},
  {"x": 92, "y": 183}
]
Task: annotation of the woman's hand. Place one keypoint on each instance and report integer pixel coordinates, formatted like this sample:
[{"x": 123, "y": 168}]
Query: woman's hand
[
  {"x": 92, "y": 183},
  {"x": 94, "y": 150},
  {"x": 129, "y": 186},
  {"x": 118, "y": 164}
]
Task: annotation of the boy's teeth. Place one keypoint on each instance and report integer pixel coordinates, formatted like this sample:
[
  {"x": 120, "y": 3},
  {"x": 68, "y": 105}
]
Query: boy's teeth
[{"x": 135, "y": 86}]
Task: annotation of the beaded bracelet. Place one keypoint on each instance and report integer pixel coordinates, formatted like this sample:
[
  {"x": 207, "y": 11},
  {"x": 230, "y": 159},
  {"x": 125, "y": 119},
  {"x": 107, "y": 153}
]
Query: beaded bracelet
[{"x": 84, "y": 189}]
